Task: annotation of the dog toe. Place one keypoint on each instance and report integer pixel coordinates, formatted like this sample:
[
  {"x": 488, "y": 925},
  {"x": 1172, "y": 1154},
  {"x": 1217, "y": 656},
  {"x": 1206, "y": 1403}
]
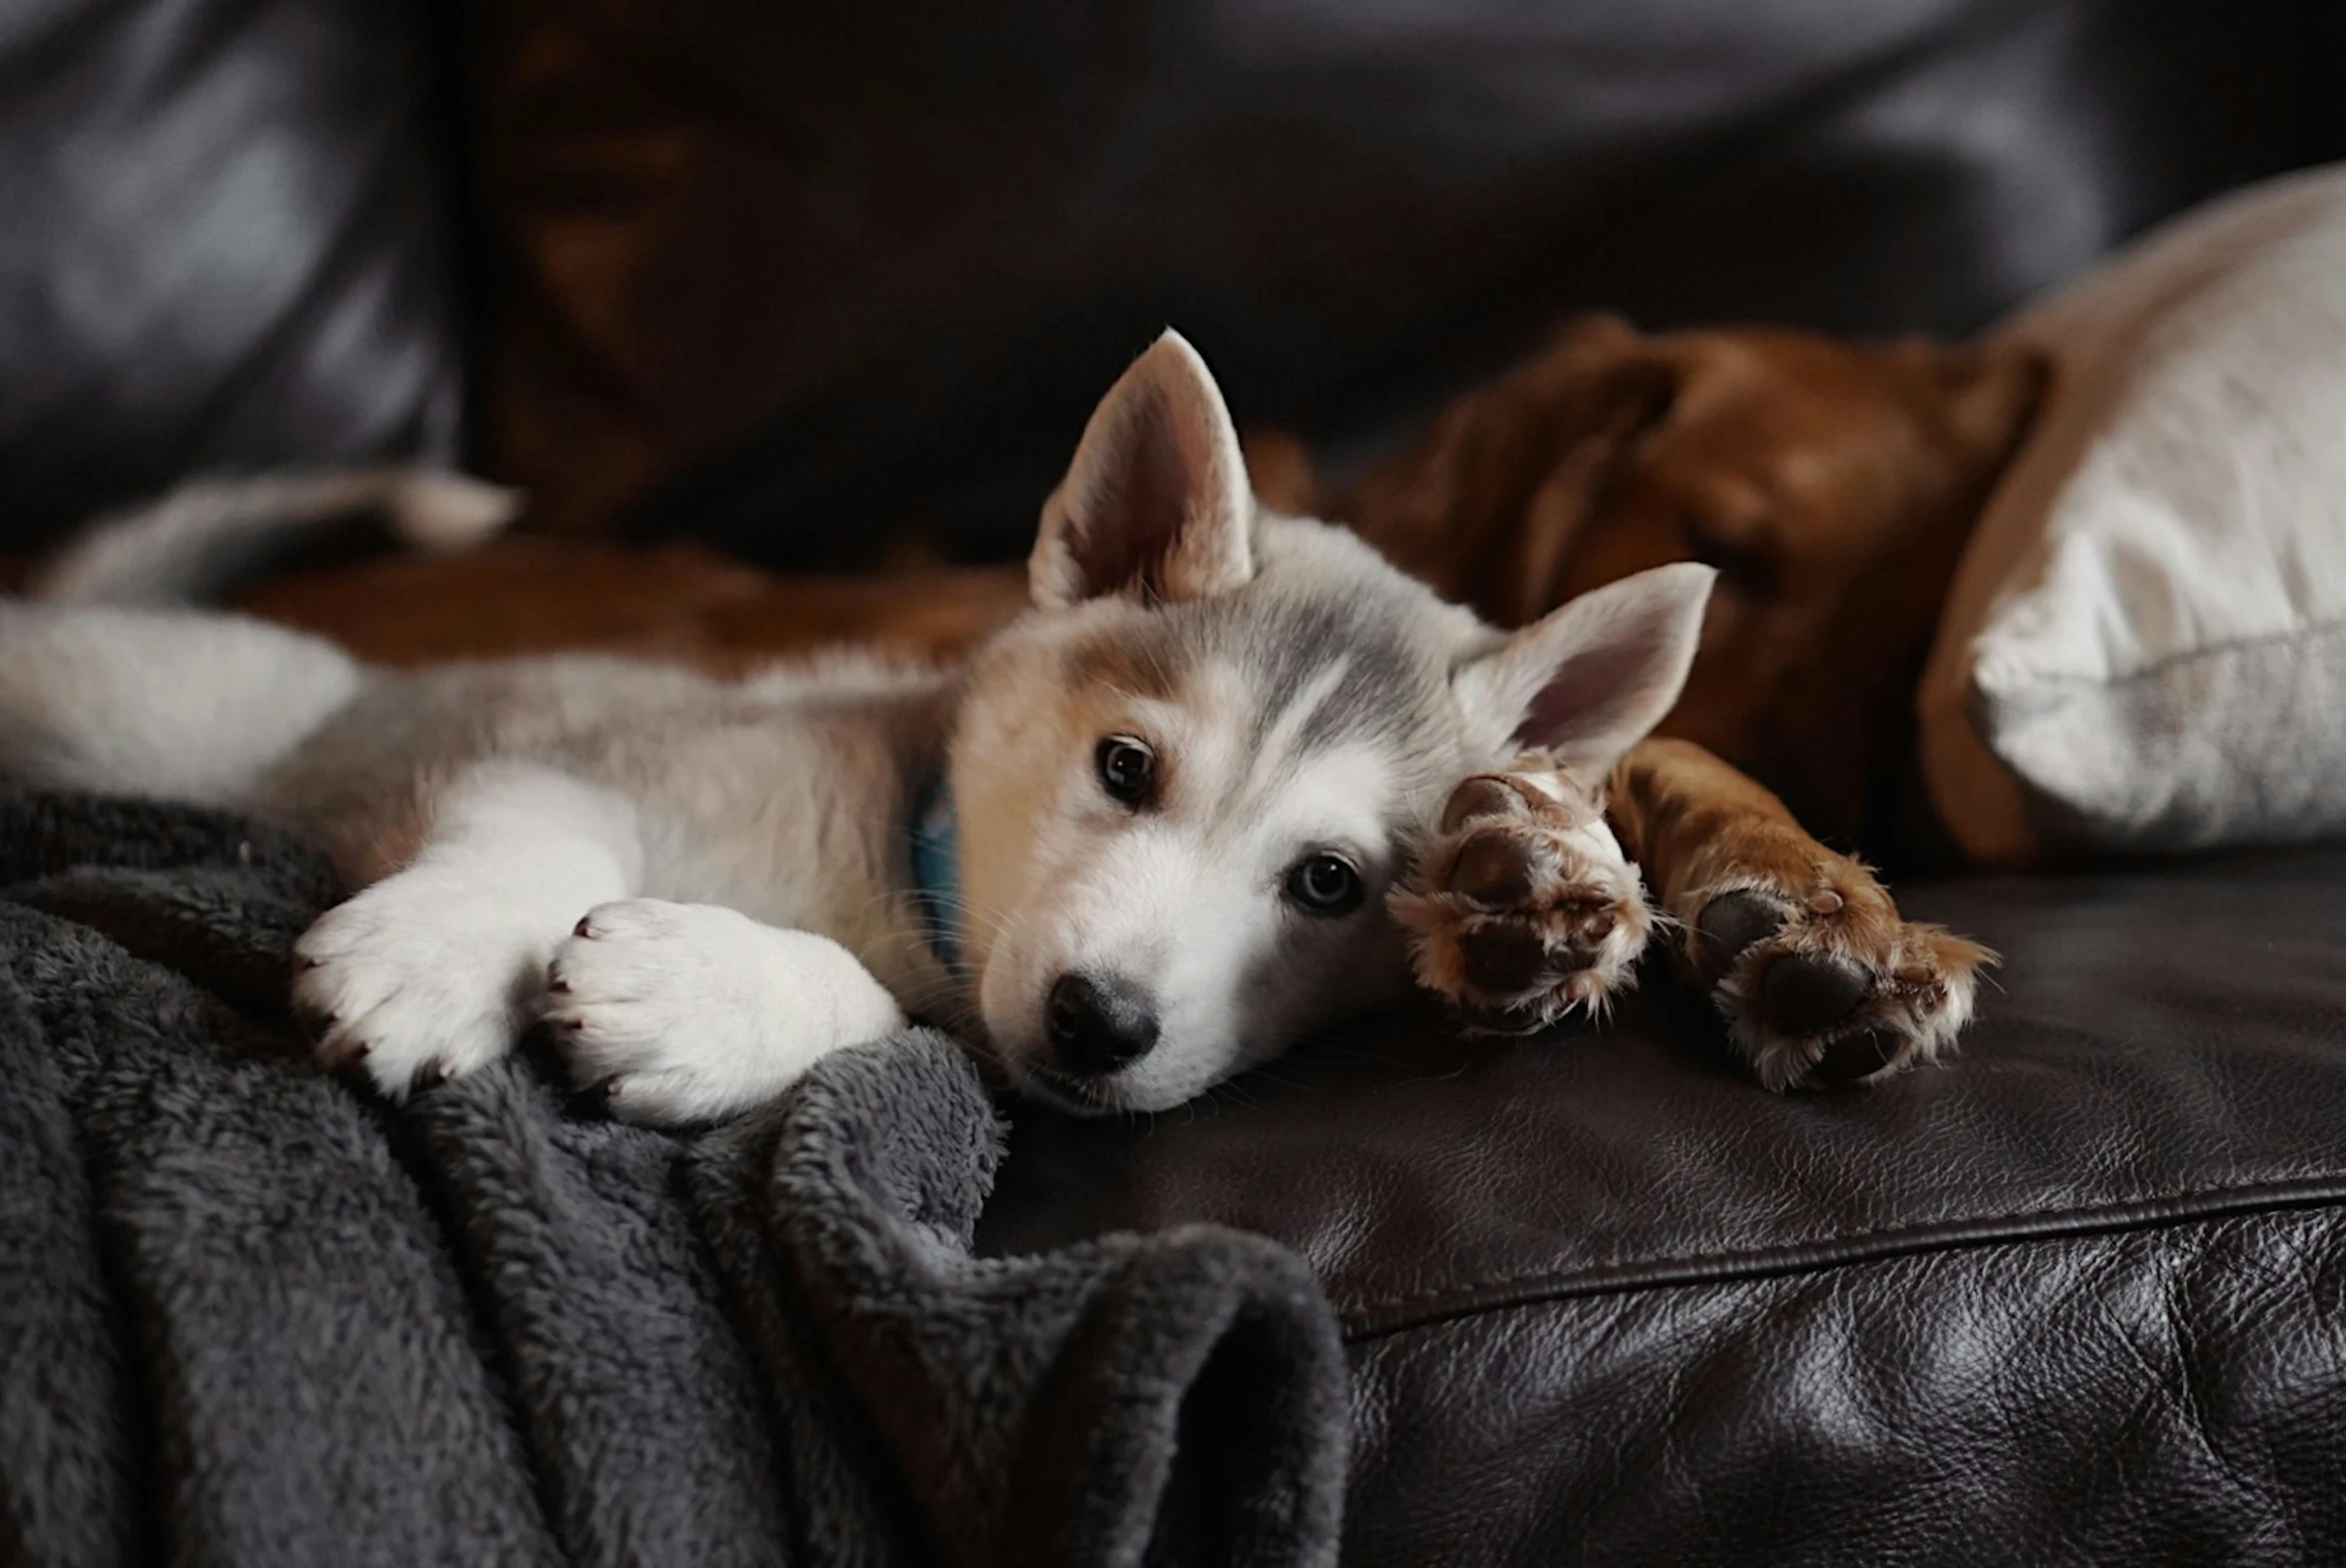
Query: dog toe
[
  {"x": 1482, "y": 795},
  {"x": 1728, "y": 928},
  {"x": 1494, "y": 870},
  {"x": 1503, "y": 960},
  {"x": 1808, "y": 994}
]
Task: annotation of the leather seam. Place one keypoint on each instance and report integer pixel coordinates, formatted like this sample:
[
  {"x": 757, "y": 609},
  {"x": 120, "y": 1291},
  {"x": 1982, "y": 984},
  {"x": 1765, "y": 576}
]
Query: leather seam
[{"x": 1396, "y": 1314}]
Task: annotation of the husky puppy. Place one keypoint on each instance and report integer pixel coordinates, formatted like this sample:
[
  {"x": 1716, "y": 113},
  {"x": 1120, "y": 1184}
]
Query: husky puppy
[{"x": 1139, "y": 842}]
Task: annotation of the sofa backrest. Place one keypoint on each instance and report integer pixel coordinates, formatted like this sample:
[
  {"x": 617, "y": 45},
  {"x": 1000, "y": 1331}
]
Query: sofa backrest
[
  {"x": 814, "y": 277},
  {"x": 812, "y": 274},
  {"x": 221, "y": 247}
]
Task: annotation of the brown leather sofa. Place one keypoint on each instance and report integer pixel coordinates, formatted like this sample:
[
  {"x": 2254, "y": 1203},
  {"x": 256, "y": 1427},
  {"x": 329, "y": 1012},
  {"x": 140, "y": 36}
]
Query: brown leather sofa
[{"x": 827, "y": 279}]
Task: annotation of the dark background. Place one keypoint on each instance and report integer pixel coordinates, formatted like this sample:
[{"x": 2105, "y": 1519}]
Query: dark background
[{"x": 819, "y": 278}]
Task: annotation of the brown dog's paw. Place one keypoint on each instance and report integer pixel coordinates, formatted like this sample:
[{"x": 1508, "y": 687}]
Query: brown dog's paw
[
  {"x": 1522, "y": 907},
  {"x": 1825, "y": 985}
]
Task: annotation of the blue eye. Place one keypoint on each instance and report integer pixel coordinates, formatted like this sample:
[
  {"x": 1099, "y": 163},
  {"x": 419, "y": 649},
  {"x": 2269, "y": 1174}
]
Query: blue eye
[
  {"x": 1126, "y": 766},
  {"x": 1324, "y": 884}
]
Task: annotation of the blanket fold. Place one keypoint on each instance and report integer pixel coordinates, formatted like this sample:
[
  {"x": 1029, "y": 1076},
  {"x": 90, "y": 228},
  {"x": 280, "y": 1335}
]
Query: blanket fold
[{"x": 249, "y": 1315}]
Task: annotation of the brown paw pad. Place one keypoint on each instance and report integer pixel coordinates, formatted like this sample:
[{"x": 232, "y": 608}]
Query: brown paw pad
[
  {"x": 1808, "y": 994},
  {"x": 1481, "y": 796},
  {"x": 1502, "y": 959},
  {"x": 1728, "y": 928},
  {"x": 1506, "y": 959},
  {"x": 1494, "y": 870}
]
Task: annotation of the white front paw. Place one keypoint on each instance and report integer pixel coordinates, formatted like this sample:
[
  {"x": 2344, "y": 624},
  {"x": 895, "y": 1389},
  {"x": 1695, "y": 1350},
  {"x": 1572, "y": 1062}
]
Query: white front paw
[
  {"x": 421, "y": 977},
  {"x": 684, "y": 1012}
]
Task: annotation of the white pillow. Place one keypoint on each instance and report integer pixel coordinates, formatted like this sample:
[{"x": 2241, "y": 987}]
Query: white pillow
[{"x": 2145, "y": 644}]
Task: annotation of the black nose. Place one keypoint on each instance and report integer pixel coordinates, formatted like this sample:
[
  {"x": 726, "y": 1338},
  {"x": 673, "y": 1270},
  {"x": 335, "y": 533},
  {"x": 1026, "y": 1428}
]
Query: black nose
[{"x": 1098, "y": 1023}]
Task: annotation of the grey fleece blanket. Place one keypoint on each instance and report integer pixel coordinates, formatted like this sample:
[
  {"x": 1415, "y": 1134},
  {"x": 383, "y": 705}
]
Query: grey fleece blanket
[{"x": 248, "y": 1315}]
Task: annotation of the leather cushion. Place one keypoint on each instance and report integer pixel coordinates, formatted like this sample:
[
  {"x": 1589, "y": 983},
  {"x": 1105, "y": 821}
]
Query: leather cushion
[
  {"x": 1607, "y": 1298},
  {"x": 222, "y": 247},
  {"x": 806, "y": 277}
]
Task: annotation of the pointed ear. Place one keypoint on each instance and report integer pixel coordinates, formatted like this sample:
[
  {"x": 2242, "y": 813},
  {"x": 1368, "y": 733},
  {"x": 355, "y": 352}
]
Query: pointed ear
[
  {"x": 1155, "y": 503},
  {"x": 1590, "y": 679}
]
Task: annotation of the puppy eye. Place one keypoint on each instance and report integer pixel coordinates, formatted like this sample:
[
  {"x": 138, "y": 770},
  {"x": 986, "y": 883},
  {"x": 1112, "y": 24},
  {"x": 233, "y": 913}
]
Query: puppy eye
[
  {"x": 1324, "y": 884},
  {"x": 1127, "y": 767}
]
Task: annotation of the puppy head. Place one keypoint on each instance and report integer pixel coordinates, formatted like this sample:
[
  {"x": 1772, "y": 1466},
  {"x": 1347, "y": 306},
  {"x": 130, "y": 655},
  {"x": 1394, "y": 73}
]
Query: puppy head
[
  {"x": 1832, "y": 483},
  {"x": 1188, "y": 776}
]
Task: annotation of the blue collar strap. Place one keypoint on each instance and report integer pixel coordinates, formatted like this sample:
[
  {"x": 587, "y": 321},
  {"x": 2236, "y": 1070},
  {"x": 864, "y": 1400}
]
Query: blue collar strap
[{"x": 937, "y": 882}]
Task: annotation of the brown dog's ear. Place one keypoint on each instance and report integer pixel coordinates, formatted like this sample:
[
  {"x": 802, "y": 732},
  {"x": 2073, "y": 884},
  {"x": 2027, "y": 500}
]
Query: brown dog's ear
[
  {"x": 1155, "y": 503},
  {"x": 1992, "y": 390},
  {"x": 1608, "y": 416},
  {"x": 1486, "y": 505}
]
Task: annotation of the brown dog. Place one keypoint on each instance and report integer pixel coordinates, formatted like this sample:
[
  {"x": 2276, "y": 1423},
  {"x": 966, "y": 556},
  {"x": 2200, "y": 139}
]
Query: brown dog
[{"x": 1833, "y": 485}]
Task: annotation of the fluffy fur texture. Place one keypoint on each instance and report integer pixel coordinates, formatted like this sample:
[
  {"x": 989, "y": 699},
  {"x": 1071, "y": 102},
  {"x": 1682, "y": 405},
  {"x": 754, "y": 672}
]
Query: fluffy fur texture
[
  {"x": 737, "y": 849},
  {"x": 1833, "y": 485},
  {"x": 207, "y": 536},
  {"x": 252, "y": 1318}
]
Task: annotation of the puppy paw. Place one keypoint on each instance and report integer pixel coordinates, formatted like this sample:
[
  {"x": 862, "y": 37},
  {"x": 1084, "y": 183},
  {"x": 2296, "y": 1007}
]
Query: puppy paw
[
  {"x": 419, "y": 978},
  {"x": 1823, "y": 984},
  {"x": 1522, "y": 907},
  {"x": 672, "y": 1014}
]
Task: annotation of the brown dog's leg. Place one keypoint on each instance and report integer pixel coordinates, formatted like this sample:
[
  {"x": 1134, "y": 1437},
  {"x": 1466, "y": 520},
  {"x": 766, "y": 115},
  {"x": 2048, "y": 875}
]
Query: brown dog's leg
[{"x": 1800, "y": 948}]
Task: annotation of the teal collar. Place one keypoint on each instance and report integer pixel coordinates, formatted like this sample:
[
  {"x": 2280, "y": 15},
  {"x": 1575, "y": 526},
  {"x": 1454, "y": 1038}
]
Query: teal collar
[{"x": 937, "y": 882}]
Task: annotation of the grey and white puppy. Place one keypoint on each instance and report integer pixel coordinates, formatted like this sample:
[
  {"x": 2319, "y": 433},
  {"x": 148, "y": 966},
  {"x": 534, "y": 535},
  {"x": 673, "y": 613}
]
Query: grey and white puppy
[{"x": 1184, "y": 783}]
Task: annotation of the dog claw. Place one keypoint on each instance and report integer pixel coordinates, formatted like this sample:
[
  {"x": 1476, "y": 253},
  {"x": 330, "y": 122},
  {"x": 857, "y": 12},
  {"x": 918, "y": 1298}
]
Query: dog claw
[
  {"x": 346, "y": 1060},
  {"x": 593, "y": 1099}
]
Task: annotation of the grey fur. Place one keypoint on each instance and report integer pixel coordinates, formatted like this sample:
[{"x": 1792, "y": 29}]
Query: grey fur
[
  {"x": 741, "y": 848},
  {"x": 786, "y": 797},
  {"x": 1319, "y": 601},
  {"x": 252, "y": 1317}
]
